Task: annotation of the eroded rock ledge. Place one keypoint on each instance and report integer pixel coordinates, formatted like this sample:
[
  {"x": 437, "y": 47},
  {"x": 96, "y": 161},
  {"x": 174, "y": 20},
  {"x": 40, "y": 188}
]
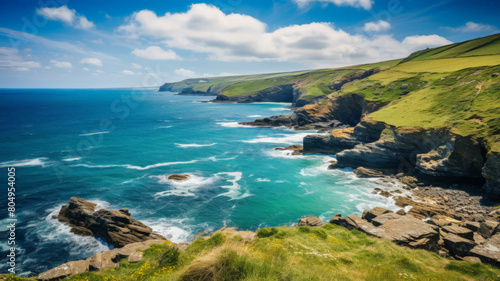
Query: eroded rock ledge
[
  {"x": 114, "y": 227},
  {"x": 433, "y": 228}
]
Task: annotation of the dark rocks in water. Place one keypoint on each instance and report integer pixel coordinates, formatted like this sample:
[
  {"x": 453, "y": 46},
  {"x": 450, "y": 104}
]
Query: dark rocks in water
[
  {"x": 332, "y": 143},
  {"x": 178, "y": 177},
  {"x": 295, "y": 148},
  {"x": 361, "y": 172},
  {"x": 115, "y": 227},
  {"x": 310, "y": 221}
]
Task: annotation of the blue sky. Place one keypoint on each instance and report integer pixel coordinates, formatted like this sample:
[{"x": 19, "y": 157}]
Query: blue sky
[{"x": 93, "y": 44}]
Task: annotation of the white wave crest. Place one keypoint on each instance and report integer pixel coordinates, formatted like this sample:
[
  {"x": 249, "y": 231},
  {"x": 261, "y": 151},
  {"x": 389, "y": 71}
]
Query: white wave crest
[
  {"x": 194, "y": 145},
  {"x": 285, "y": 138},
  {"x": 25, "y": 163},
  {"x": 72, "y": 159},
  {"x": 254, "y": 116},
  {"x": 128, "y": 166},
  {"x": 234, "y": 190},
  {"x": 183, "y": 188},
  {"x": 94, "y": 133},
  {"x": 233, "y": 125}
]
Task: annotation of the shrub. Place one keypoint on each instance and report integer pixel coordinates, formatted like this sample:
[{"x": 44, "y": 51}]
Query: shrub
[
  {"x": 320, "y": 233},
  {"x": 304, "y": 229},
  {"x": 267, "y": 232},
  {"x": 216, "y": 239},
  {"x": 169, "y": 258}
]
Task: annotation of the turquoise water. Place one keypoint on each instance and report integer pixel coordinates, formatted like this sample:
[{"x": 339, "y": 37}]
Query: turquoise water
[{"x": 117, "y": 148}]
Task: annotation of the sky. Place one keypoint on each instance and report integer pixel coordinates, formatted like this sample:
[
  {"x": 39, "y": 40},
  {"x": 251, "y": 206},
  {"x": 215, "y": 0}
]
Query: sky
[{"x": 110, "y": 43}]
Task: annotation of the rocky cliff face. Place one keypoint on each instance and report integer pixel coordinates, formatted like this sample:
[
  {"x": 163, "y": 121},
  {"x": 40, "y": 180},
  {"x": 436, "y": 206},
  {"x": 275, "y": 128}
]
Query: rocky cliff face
[
  {"x": 281, "y": 93},
  {"x": 433, "y": 155},
  {"x": 339, "y": 112}
]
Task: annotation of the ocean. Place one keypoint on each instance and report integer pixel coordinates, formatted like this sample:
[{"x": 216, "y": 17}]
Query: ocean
[{"x": 116, "y": 147}]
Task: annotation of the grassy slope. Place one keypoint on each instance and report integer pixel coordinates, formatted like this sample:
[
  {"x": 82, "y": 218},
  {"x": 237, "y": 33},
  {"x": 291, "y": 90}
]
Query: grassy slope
[
  {"x": 444, "y": 88},
  {"x": 293, "y": 253}
]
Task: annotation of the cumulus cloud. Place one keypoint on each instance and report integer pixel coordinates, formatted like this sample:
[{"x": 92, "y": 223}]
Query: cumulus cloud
[
  {"x": 424, "y": 41},
  {"x": 127, "y": 72},
  {"x": 91, "y": 61},
  {"x": 184, "y": 72},
  {"x": 237, "y": 37},
  {"x": 136, "y": 66},
  {"x": 156, "y": 53},
  {"x": 376, "y": 26},
  {"x": 365, "y": 4},
  {"x": 12, "y": 59},
  {"x": 66, "y": 15},
  {"x": 473, "y": 27},
  {"x": 61, "y": 64}
]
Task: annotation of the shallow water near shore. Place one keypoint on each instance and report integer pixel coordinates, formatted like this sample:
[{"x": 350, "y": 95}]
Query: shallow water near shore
[{"x": 117, "y": 147}]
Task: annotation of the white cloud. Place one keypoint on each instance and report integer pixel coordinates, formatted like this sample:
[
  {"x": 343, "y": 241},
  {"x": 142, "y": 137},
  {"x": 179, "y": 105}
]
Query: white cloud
[
  {"x": 184, "y": 72},
  {"x": 473, "y": 27},
  {"x": 11, "y": 58},
  {"x": 136, "y": 66},
  {"x": 237, "y": 37},
  {"x": 156, "y": 53},
  {"x": 376, "y": 26},
  {"x": 66, "y": 15},
  {"x": 127, "y": 72},
  {"x": 91, "y": 61},
  {"x": 86, "y": 69},
  {"x": 99, "y": 71},
  {"x": 61, "y": 64},
  {"x": 365, "y": 4},
  {"x": 97, "y": 41},
  {"x": 425, "y": 41}
]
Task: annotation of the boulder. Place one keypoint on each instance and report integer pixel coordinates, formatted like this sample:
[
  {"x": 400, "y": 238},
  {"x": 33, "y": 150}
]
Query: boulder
[
  {"x": 441, "y": 220},
  {"x": 458, "y": 245},
  {"x": 64, "y": 270},
  {"x": 102, "y": 260},
  {"x": 487, "y": 228},
  {"x": 380, "y": 220},
  {"x": 489, "y": 251},
  {"x": 409, "y": 231},
  {"x": 178, "y": 177},
  {"x": 115, "y": 227},
  {"x": 310, "y": 221},
  {"x": 362, "y": 172},
  {"x": 135, "y": 257},
  {"x": 354, "y": 222},
  {"x": 460, "y": 231},
  {"x": 373, "y": 213},
  {"x": 472, "y": 225}
]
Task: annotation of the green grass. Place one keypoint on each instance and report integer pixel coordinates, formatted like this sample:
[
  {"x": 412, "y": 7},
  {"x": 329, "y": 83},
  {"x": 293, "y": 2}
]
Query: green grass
[{"x": 295, "y": 253}]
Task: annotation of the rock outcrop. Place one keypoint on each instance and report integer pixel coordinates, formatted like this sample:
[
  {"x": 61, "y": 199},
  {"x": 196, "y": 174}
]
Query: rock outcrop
[
  {"x": 99, "y": 261},
  {"x": 115, "y": 227},
  {"x": 310, "y": 221},
  {"x": 295, "y": 148},
  {"x": 178, "y": 177},
  {"x": 432, "y": 228},
  {"x": 280, "y": 93},
  {"x": 337, "y": 112}
]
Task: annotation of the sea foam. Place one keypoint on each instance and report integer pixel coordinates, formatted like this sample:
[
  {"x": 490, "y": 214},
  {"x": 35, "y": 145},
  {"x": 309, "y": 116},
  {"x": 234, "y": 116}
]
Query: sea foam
[{"x": 25, "y": 163}]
